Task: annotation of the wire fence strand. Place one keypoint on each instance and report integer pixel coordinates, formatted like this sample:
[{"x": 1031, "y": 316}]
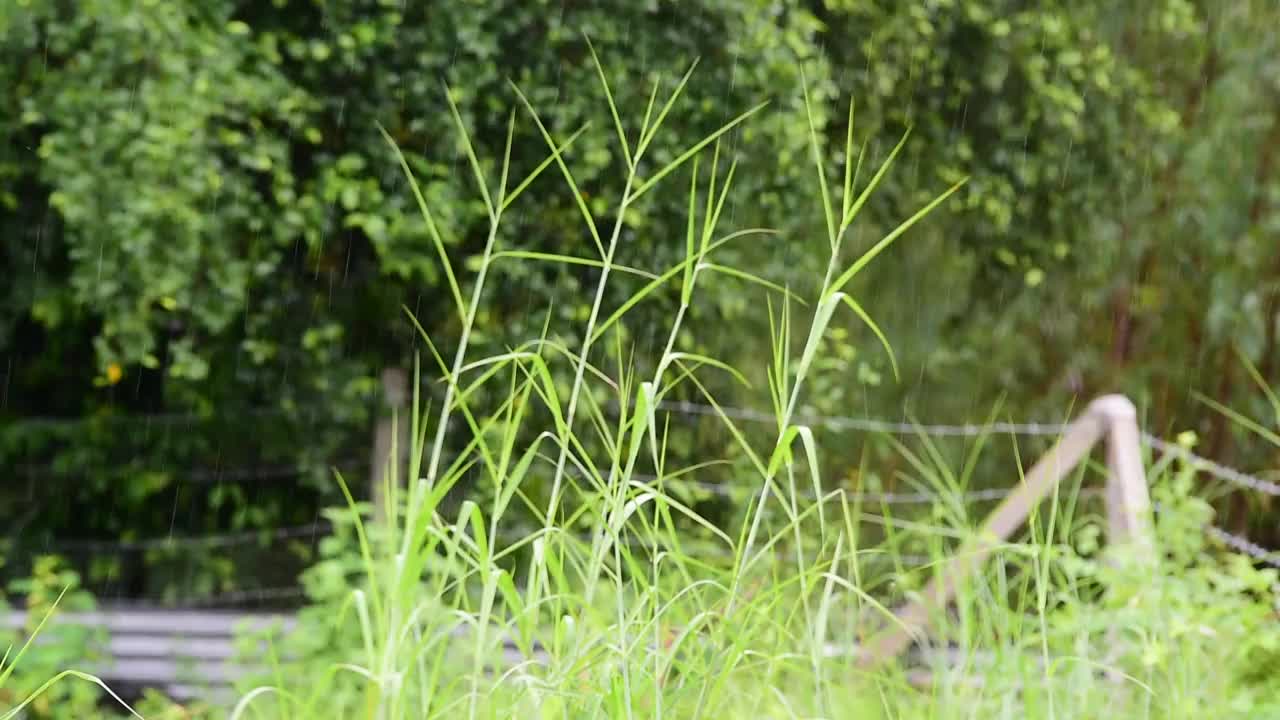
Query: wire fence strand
[
  {"x": 212, "y": 540},
  {"x": 234, "y": 598},
  {"x": 231, "y": 474},
  {"x": 133, "y": 420},
  {"x": 879, "y": 425},
  {"x": 836, "y": 423},
  {"x": 1217, "y": 470},
  {"x": 864, "y": 424},
  {"x": 1244, "y": 545}
]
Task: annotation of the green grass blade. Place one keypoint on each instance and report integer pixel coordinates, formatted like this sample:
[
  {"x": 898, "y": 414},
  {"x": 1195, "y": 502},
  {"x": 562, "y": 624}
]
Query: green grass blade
[
  {"x": 846, "y": 197},
  {"x": 709, "y": 227},
  {"x": 690, "y": 268},
  {"x": 1241, "y": 419},
  {"x": 875, "y": 182},
  {"x": 827, "y": 212},
  {"x": 694, "y": 150},
  {"x": 366, "y": 548},
  {"x": 1262, "y": 384},
  {"x": 17, "y": 711},
  {"x": 8, "y": 669},
  {"x": 648, "y": 110},
  {"x": 506, "y": 161},
  {"x": 821, "y": 318},
  {"x": 471, "y": 155},
  {"x": 706, "y": 360},
  {"x": 613, "y": 108},
  {"x": 884, "y": 341},
  {"x": 564, "y": 170},
  {"x": 571, "y": 260},
  {"x": 885, "y": 242},
  {"x": 708, "y": 213},
  {"x": 651, "y": 131},
  {"x": 657, "y": 282},
  {"x": 546, "y": 163},
  {"x": 754, "y": 279},
  {"x": 436, "y": 240}
]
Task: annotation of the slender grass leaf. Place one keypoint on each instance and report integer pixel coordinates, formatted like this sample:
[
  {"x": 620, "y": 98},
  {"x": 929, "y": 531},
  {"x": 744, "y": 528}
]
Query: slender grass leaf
[
  {"x": 436, "y": 240},
  {"x": 884, "y": 341},
  {"x": 879, "y": 247},
  {"x": 694, "y": 150}
]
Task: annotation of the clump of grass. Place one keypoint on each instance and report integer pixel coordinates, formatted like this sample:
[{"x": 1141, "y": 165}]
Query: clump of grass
[{"x": 630, "y": 621}]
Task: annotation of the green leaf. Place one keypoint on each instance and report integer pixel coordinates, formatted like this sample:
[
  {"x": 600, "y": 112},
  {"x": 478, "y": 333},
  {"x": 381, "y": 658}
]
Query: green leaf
[
  {"x": 884, "y": 341},
  {"x": 553, "y": 157},
  {"x": 436, "y": 240},
  {"x": 887, "y": 240},
  {"x": 571, "y": 260},
  {"x": 613, "y": 108},
  {"x": 694, "y": 150},
  {"x": 564, "y": 170}
]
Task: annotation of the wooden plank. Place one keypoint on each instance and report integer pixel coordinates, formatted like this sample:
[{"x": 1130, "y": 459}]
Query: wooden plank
[
  {"x": 169, "y": 646},
  {"x": 185, "y": 654},
  {"x": 163, "y": 672},
  {"x": 188, "y": 623}
]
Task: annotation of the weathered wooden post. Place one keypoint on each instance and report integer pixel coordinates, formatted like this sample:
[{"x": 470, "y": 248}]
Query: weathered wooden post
[
  {"x": 1129, "y": 532},
  {"x": 389, "y": 436},
  {"x": 1128, "y": 501},
  {"x": 1128, "y": 511}
]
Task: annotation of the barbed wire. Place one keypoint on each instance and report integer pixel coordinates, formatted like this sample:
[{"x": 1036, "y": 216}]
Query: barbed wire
[
  {"x": 1244, "y": 545},
  {"x": 212, "y": 540},
  {"x": 135, "y": 419},
  {"x": 838, "y": 423},
  {"x": 295, "y": 592},
  {"x": 878, "y": 425},
  {"x": 1215, "y": 469},
  {"x": 211, "y": 475},
  {"x": 833, "y": 422},
  {"x": 887, "y": 498},
  {"x": 865, "y": 424}
]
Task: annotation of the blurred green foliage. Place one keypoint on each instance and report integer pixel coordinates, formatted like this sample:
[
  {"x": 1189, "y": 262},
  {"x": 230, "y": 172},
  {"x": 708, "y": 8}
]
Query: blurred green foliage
[
  {"x": 204, "y": 220},
  {"x": 51, "y": 587},
  {"x": 200, "y": 218}
]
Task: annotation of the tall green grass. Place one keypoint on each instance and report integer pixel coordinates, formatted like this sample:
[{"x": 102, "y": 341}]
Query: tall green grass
[
  {"x": 633, "y": 622},
  {"x": 611, "y": 606},
  {"x": 621, "y": 600}
]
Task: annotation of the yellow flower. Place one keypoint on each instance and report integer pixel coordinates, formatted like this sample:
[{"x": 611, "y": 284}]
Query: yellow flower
[{"x": 114, "y": 373}]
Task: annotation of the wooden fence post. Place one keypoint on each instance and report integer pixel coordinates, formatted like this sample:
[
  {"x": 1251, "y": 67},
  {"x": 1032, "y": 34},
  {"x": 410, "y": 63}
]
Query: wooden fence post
[
  {"x": 1128, "y": 501},
  {"x": 389, "y": 430}
]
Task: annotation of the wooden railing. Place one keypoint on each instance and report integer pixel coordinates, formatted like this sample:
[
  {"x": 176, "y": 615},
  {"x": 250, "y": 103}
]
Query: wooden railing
[{"x": 1112, "y": 418}]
